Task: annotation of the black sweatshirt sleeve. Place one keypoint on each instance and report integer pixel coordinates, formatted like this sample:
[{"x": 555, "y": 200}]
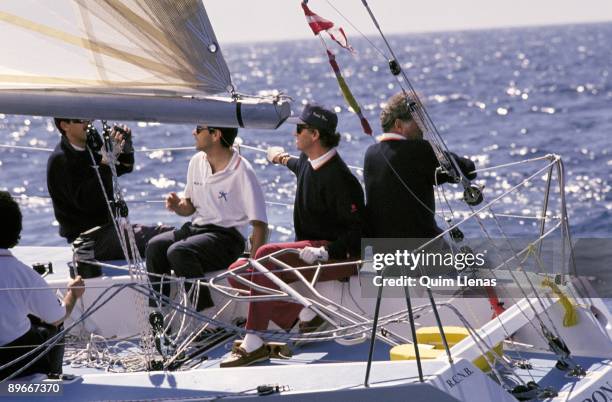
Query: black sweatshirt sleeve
[
  {"x": 294, "y": 164},
  {"x": 349, "y": 207},
  {"x": 126, "y": 163},
  {"x": 466, "y": 165}
]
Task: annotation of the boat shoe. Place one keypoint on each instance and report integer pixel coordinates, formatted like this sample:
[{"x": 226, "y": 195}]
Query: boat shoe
[
  {"x": 241, "y": 357},
  {"x": 314, "y": 325},
  {"x": 307, "y": 327}
]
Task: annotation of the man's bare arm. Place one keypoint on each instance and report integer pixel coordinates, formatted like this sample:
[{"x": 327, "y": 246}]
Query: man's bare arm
[
  {"x": 76, "y": 288},
  {"x": 259, "y": 236}
]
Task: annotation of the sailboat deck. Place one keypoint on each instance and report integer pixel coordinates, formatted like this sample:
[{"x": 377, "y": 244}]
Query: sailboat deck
[
  {"x": 311, "y": 353},
  {"x": 344, "y": 371},
  {"x": 545, "y": 374}
]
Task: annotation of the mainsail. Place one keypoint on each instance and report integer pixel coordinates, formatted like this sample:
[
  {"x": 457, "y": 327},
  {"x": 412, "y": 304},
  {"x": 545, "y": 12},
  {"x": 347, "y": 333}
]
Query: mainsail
[{"x": 152, "y": 60}]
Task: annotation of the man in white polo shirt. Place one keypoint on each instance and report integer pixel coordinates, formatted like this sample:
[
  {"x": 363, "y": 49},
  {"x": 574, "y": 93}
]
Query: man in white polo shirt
[
  {"x": 223, "y": 197},
  {"x": 26, "y": 293}
]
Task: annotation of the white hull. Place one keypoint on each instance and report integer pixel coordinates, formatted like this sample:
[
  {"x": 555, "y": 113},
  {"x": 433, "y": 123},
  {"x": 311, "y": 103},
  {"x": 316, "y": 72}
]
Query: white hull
[{"x": 331, "y": 381}]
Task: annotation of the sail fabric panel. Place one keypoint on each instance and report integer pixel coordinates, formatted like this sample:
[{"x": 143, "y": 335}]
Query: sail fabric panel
[{"x": 111, "y": 46}]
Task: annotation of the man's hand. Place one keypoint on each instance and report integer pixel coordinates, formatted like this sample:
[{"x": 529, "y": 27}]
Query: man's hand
[
  {"x": 124, "y": 133},
  {"x": 313, "y": 254},
  {"x": 274, "y": 154},
  {"x": 172, "y": 202},
  {"x": 117, "y": 141},
  {"x": 77, "y": 287},
  {"x": 116, "y": 138},
  {"x": 178, "y": 205}
]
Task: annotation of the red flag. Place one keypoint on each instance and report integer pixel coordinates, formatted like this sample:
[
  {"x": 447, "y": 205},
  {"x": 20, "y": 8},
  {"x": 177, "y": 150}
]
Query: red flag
[{"x": 318, "y": 24}]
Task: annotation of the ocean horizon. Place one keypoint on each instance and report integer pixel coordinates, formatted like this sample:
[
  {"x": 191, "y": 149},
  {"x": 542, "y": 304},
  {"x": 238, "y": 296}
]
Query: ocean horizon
[{"x": 496, "y": 95}]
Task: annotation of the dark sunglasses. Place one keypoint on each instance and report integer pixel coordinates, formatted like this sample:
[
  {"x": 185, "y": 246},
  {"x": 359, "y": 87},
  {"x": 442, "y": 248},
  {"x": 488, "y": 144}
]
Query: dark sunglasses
[
  {"x": 78, "y": 121},
  {"x": 199, "y": 129},
  {"x": 300, "y": 127}
]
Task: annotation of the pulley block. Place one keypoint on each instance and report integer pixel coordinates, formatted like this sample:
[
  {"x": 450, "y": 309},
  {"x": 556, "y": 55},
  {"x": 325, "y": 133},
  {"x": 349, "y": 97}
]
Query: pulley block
[
  {"x": 94, "y": 141},
  {"x": 395, "y": 67},
  {"x": 472, "y": 195},
  {"x": 122, "y": 208}
]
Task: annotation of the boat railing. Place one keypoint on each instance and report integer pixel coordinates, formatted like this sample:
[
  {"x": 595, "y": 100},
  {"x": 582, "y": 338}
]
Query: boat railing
[{"x": 341, "y": 318}]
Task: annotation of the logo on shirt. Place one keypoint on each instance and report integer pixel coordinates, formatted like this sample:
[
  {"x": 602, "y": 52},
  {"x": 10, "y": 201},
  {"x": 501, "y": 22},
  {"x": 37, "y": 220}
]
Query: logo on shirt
[
  {"x": 197, "y": 183},
  {"x": 222, "y": 194},
  {"x": 353, "y": 208}
]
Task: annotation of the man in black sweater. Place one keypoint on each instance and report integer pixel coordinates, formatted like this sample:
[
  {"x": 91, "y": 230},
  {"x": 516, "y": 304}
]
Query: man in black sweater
[
  {"x": 78, "y": 199},
  {"x": 400, "y": 174},
  {"x": 328, "y": 224}
]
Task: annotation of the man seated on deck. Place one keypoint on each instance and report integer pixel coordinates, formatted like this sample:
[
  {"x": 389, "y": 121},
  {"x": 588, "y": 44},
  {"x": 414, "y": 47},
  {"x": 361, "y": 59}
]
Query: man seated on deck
[
  {"x": 328, "y": 223},
  {"x": 78, "y": 199},
  {"x": 400, "y": 174},
  {"x": 24, "y": 292},
  {"x": 224, "y": 196}
]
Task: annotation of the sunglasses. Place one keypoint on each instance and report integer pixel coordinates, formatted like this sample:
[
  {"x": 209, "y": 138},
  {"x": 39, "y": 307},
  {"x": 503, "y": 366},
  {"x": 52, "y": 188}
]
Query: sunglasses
[
  {"x": 199, "y": 129},
  {"x": 300, "y": 127},
  {"x": 78, "y": 121}
]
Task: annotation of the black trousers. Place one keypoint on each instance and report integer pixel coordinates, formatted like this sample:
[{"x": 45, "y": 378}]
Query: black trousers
[
  {"x": 49, "y": 363},
  {"x": 191, "y": 251},
  {"x": 107, "y": 246}
]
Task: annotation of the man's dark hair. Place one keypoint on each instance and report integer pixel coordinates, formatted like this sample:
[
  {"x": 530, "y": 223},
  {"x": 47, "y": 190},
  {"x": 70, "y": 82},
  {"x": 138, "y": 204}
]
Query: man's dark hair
[
  {"x": 329, "y": 139},
  {"x": 396, "y": 108},
  {"x": 10, "y": 216},
  {"x": 57, "y": 121},
  {"x": 228, "y": 135}
]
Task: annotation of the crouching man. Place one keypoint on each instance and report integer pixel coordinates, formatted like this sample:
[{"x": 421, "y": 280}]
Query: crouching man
[{"x": 30, "y": 313}]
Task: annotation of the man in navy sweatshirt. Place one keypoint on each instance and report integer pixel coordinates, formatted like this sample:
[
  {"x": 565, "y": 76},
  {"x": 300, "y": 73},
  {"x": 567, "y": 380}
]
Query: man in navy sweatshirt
[
  {"x": 328, "y": 222},
  {"x": 78, "y": 198},
  {"x": 400, "y": 174}
]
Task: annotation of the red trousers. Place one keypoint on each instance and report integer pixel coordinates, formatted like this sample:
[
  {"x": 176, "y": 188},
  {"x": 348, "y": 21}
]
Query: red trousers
[{"x": 282, "y": 313}]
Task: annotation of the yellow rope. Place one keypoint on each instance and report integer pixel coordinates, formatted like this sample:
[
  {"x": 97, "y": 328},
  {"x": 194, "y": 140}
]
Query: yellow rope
[
  {"x": 571, "y": 315},
  {"x": 570, "y": 318}
]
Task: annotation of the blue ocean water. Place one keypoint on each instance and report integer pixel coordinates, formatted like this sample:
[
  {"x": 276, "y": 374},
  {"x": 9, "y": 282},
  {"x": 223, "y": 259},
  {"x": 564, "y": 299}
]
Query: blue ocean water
[{"x": 498, "y": 96}]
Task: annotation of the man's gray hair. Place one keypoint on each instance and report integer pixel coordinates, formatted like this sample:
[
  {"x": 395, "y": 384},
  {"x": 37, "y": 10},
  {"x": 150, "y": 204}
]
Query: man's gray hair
[{"x": 396, "y": 108}]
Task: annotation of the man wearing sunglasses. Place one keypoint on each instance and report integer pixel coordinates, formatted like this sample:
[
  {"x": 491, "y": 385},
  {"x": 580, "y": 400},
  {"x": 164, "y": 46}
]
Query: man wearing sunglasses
[
  {"x": 78, "y": 200},
  {"x": 328, "y": 224},
  {"x": 223, "y": 197}
]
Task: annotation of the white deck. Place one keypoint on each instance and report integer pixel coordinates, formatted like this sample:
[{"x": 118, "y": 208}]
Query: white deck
[{"x": 318, "y": 368}]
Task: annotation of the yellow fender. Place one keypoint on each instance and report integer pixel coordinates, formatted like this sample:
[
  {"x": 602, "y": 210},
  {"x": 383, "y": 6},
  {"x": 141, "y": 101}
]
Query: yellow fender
[{"x": 432, "y": 347}]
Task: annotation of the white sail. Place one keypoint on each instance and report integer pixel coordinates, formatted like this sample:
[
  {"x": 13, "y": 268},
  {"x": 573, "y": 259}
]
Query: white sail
[{"x": 117, "y": 55}]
